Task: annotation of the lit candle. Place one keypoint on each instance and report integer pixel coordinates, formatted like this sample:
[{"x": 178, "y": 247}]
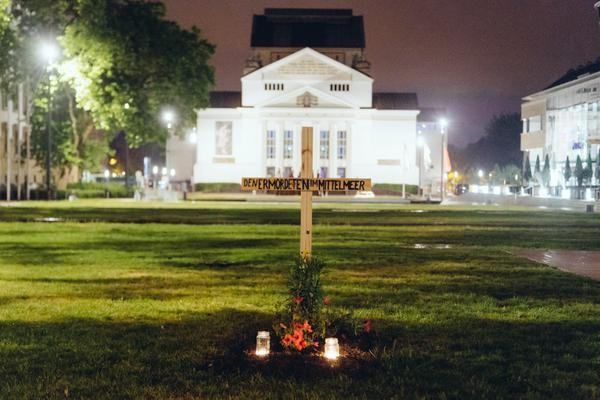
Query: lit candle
[
  {"x": 332, "y": 348},
  {"x": 263, "y": 343}
]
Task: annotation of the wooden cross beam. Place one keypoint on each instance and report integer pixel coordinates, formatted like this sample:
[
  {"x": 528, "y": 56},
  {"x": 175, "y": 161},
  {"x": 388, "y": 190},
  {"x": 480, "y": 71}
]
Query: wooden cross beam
[
  {"x": 306, "y": 184},
  {"x": 306, "y": 195}
]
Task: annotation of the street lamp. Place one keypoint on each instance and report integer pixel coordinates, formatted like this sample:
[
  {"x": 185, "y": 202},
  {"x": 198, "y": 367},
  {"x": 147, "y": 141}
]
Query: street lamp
[
  {"x": 443, "y": 125},
  {"x": 168, "y": 117},
  {"x": 420, "y": 145},
  {"x": 49, "y": 52},
  {"x": 193, "y": 137}
]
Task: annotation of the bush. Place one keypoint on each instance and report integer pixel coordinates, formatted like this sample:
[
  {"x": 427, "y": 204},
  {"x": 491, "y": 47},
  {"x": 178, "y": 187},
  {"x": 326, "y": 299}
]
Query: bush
[
  {"x": 97, "y": 190},
  {"x": 218, "y": 187},
  {"x": 394, "y": 189}
]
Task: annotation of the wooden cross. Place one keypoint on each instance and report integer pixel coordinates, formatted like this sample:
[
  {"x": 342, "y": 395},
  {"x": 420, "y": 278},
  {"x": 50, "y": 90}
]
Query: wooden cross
[{"x": 306, "y": 184}]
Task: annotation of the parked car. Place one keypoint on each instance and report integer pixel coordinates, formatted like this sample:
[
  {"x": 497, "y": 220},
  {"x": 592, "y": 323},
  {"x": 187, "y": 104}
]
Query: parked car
[{"x": 461, "y": 188}]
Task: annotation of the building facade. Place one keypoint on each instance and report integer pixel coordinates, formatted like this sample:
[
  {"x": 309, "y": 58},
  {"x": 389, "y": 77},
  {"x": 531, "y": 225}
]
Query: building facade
[
  {"x": 432, "y": 153},
  {"x": 564, "y": 121},
  {"x": 307, "y": 68},
  {"x": 18, "y": 172}
]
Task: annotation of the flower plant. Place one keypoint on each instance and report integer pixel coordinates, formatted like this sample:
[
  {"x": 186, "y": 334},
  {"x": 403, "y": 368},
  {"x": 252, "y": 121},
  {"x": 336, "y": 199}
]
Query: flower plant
[{"x": 301, "y": 323}]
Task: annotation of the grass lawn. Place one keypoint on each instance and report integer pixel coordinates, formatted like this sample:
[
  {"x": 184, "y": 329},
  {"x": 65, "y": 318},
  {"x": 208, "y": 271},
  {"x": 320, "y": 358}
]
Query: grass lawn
[{"x": 96, "y": 306}]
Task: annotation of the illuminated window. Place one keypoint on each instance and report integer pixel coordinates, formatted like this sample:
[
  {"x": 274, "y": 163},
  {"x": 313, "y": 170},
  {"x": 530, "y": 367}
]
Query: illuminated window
[
  {"x": 535, "y": 124},
  {"x": 271, "y": 144},
  {"x": 342, "y": 145},
  {"x": 324, "y": 145},
  {"x": 288, "y": 144}
]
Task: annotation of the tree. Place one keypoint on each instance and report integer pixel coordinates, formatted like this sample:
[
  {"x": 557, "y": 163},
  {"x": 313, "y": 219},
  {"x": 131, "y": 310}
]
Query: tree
[
  {"x": 537, "y": 165},
  {"x": 568, "y": 172},
  {"x": 598, "y": 167},
  {"x": 500, "y": 145},
  {"x": 527, "y": 172},
  {"x": 123, "y": 63},
  {"x": 6, "y": 39},
  {"x": 579, "y": 171},
  {"x": 588, "y": 172},
  {"x": 76, "y": 144},
  {"x": 546, "y": 171}
]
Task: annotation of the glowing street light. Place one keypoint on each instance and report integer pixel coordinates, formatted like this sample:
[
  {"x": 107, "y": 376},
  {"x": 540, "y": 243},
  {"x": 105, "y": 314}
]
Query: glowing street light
[
  {"x": 193, "y": 137},
  {"x": 168, "y": 117},
  {"x": 443, "y": 124},
  {"x": 49, "y": 52},
  {"x": 480, "y": 173}
]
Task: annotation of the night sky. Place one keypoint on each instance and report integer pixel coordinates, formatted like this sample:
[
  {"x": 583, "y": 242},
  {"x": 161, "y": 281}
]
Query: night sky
[{"x": 477, "y": 58}]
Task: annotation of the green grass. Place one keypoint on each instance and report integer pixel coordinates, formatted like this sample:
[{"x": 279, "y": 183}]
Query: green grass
[{"x": 166, "y": 307}]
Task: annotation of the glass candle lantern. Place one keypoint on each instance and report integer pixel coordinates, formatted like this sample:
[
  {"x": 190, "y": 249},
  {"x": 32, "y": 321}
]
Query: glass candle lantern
[
  {"x": 263, "y": 343},
  {"x": 332, "y": 348}
]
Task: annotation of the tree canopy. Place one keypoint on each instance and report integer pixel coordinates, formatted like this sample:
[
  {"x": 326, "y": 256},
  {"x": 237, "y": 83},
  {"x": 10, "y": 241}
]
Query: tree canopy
[
  {"x": 122, "y": 64},
  {"x": 499, "y": 146}
]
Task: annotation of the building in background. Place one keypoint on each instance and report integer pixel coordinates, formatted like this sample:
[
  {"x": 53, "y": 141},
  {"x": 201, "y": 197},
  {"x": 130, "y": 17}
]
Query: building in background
[
  {"x": 307, "y": 68},
  {"x": 563, "y": 121},
  {"x": 18, "y": 172},
  {"x": 432, "y": 143}
]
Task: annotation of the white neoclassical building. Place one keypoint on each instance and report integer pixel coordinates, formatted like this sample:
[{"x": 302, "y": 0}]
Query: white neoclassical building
[{"x": 308, "y": 68}]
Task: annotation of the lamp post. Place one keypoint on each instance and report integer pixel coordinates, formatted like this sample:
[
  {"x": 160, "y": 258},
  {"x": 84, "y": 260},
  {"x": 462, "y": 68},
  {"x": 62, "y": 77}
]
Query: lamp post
[
  {"x": 420, "y": 145},
  {"x": 443, "y": 125},
  {"x": 49, "y": 52}
]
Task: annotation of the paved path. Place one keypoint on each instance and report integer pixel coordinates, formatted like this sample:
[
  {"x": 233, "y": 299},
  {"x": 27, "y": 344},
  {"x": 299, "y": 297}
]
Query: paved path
[{"x": 585, "y": 263}]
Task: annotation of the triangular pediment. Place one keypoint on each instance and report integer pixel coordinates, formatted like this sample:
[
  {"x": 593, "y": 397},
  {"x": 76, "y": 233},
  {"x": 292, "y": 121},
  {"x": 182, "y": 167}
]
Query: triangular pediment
[
  {"x": 307, "y": 63},
  {"x": 306, "y": 97}
]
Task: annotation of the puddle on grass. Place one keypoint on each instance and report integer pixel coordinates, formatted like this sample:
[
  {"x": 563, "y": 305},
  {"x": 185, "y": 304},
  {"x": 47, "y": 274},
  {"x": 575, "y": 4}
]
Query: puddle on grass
[
  {"x": 48, "y": 219},
  {"x": 585, "y": 263},
  {"x": 431, "y": 246}
]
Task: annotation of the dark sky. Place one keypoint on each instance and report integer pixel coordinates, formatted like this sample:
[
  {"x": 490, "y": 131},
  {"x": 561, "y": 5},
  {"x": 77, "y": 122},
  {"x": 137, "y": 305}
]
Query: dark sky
[{"x": 477, "y": 58}]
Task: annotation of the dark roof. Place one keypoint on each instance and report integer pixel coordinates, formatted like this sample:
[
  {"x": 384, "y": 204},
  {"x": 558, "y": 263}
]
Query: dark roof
[
  {"x": 225, "y": 99},
  {"x": 395, "y": 101},
  {"x": 308, "y": 27},
  {"x": 573, "y": 74},
  {"x": 429, "y": 114}
]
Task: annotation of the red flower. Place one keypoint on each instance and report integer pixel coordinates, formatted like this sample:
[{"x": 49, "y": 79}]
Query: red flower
[
  {"x": 298, "y": 299},
  {"x": 326, "y": 300},
  {"x": 367, "y": 326},
  {"x": 316, "y": 344},
  {"x": 307, "y": 327},
  {"x": 287, "y": 340},
  {"x": 298, "y": 335},
  {"x": 298, "y": 326}
]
